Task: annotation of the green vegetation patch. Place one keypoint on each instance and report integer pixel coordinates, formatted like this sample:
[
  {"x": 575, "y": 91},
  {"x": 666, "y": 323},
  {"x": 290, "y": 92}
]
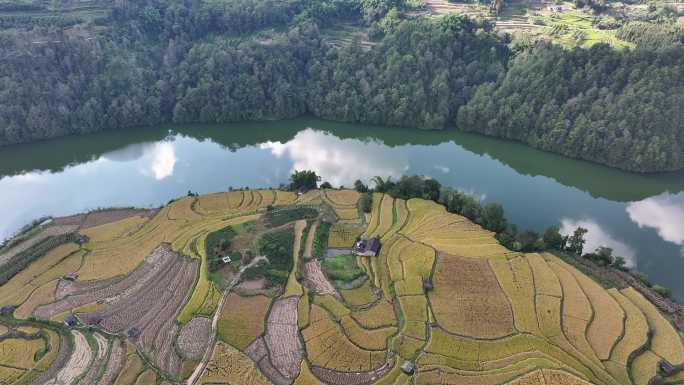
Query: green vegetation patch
[
  {"x": 342, "y": 268},
  {"x": 320, "y": 241},
  {"x": 277, "y": 246},
  {"x": 280, "y": 217},
  {"x": 218, "y": 245}
]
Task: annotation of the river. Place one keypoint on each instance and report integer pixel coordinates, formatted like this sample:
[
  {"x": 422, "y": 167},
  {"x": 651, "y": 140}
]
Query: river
[{"x": 640, "y": 216}]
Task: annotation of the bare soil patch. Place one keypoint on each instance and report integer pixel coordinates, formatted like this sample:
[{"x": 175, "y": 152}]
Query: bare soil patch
[
  {"x": 100, "y": 357},
  {"x": 149, "y": 299},
  {"x": 315, "y": 280},
  {"x": 49, "y": 231},
  {"x": 117, "y": 357},
  {"x": 194, "y": 338},
  {"x": 77, "y": 364},
  {"x": 282, "y": 337}
]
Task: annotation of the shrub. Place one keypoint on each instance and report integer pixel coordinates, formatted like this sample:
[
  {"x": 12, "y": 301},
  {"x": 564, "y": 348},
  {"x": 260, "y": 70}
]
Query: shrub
[
  {"x": 662, "y": 290},
  {"x": 366, "y": 202},
  {"x": 320, "y": 241}
]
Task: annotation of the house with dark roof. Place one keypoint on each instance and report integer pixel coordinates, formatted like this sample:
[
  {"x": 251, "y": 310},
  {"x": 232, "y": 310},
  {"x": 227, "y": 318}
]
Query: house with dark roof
[
  {"x": 367, "y": 248},
  {"x": 70, "y": 277},
  {"x": 133, "y": 333},
  {"x": 70, "y": 320},
  {"x": 6, "y": 310}
]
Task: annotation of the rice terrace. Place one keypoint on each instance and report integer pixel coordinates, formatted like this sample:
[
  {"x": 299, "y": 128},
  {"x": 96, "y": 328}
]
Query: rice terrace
[{"x": 307, "y": 288}]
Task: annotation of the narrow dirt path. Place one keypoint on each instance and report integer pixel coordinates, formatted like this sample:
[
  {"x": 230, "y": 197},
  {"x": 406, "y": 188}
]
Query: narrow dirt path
[
  {"x": 197, "y": 373},
  {"x": 78, "y": 363},
  {"x": 309, "y": 240}
]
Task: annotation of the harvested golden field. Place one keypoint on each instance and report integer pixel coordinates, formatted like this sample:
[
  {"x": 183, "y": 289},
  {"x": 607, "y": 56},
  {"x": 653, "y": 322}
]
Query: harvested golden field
[
  {"x": 415, "y": 316},
  {"x": 636, "y": 330},
  {"x": 344, "y": 235},
  {"x": 19, "y": 353},
  {"x": 442, "y": 293},
  {"x": 230, "y": 366},
  {"x": 328, "y": 347},
  {"x": 375, "y": 339},
  {"x": 385, "y": 216},
  {"x": 665, "y": 342},
  {"x": 359, "y": 297},
  {"x": 53, "y": 265},
  {"x": 242, "y": 319},
  {"x": 114, "y": 230},
  {"x": 606, "y": 327},
  {"x": 377, "y": 316},
  {"x": 342, "y": 197},
  {"x": 374, "y": 215},
  {"x": 515, "y": 277},
  {"x": 468, "y": 300}
]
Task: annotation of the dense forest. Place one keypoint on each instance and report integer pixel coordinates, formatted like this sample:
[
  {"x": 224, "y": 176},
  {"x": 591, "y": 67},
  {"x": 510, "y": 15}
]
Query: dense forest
[{"x": 216, "y": 61}]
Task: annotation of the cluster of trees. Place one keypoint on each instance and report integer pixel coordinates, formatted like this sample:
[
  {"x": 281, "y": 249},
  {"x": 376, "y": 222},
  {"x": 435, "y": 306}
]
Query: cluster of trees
[
  {"x": 217, "y": 61},
  {"x": 620, "y": 108}
]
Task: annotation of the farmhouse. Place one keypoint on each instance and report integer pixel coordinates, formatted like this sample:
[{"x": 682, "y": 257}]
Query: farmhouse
[
  {"x": 367, "y": 248},
  {"x": 70, "y": 320},
  {"x": 6, "y": 310},
  {"x": 70, "y": 277}
]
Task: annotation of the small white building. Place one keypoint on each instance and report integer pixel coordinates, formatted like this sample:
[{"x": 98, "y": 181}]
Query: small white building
[{"x": 226, "y": 259}]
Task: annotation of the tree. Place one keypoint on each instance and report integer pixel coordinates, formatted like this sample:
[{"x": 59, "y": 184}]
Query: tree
[
  {"x": 366, "y": 202},
  {"x": 326, "y": 185},
  {"x": 360, "y": 187},
  {"x": 553, "y": 239},
  {"x": 493, "y": 218},
  {"x": 304, "y": 180},
  {"x": 529, "y": 241},
  {"x": 576, "y": 241}
]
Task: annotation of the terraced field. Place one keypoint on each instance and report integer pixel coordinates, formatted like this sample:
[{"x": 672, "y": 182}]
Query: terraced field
[{"x": 442, "y": 294}]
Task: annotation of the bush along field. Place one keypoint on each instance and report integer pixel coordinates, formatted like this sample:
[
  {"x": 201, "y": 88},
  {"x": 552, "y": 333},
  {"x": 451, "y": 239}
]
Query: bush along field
[{"x": 262, "y": 287}]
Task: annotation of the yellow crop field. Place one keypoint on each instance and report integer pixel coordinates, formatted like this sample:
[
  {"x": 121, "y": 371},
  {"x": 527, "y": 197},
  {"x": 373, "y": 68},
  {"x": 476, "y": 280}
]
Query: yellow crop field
[
  {"x": 230, "y": 366},
  {"x": 515, "y": 277},
  {"x": 448, "y": 345},
  {"x": 347, "y": 214},
  {"x": 468, "y": 300},
  {"x": 562, "y": 378},
  {"x": 383, "y": 272},
  {"x": 331, "y": 304},
  {"x": 344, "y": 235},
  {"x": 644, "y": 367},
  {"x": 342, "y": 197},
  {"x": 375, "y": 215},
  {"x": 210, "y": 301},
  {"x": 213, "y": 203},
  {"x": 242, "y": 319},
  {"x": 19, "y": 353},
  {"x": 361, "y": 296},
  {"x": 545, "y": 280},
  {"x": 549, "y": 315},
  {"x": 385, "y": 216},
  {"x": 407, "y": 347},
  {"x": 415, "y": 316},
  {"x": 665, "y": 341},
  {"x": 268, "y": 197},
  {"x": 305, "y": 376},
  {"x": 284, "y": 197},
  {"x": 377, "y": 316},
  {"x": 402, "y": 214},
  {"x": 148, "y": 377},
  {"x": 606, "y": 327},
  {"x": 113, "y": 230},
  {"x": 59, "y": 261},
  {"x": 10, "y": 375},
  {"x": 40, "y": 296},
  {"x": 303, "y": 310},
  {"x": 575, "y": 302},
  {"x": 636, "y": 330},
  {"x": 182, "y": 209},
  {"x": 328, "y": 347},
  {"x": 364, "y": 338}
]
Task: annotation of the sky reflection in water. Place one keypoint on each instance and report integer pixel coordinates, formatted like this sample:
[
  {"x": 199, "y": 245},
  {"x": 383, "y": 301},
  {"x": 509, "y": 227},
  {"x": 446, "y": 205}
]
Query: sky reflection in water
[{"x": 648, "y": 232}]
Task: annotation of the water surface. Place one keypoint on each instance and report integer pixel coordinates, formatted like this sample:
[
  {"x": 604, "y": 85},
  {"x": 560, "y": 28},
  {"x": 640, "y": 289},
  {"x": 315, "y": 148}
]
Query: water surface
[{"x": 640, "y": 216}]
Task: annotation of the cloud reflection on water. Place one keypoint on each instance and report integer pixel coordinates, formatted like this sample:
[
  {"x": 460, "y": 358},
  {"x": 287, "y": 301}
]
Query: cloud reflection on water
[
  {"x": 597, "y": 236},
  {"x": 339, "y": 161},
  {"x": 664, "y": 213}
]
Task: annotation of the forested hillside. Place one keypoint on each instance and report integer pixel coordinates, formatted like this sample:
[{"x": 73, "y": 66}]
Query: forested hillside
[{"x": 182, "y": 61}]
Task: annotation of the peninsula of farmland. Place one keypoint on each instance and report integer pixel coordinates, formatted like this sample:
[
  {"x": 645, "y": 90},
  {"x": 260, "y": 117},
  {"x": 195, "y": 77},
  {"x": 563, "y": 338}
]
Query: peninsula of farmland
[{"x": 257, "y": 287}]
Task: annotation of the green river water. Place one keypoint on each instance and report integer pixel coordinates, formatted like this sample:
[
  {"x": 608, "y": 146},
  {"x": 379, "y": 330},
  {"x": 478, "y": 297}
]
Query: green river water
[{"x": 640, "y": 216}]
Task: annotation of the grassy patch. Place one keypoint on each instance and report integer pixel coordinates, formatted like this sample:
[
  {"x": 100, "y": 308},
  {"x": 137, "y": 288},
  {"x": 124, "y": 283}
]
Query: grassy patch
[
  {"x": 342, "y": 268},
  {"x": 280, "y": 217},
  {"x": 277, "y": 246},
  {"x": 320, "y": 241}
]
